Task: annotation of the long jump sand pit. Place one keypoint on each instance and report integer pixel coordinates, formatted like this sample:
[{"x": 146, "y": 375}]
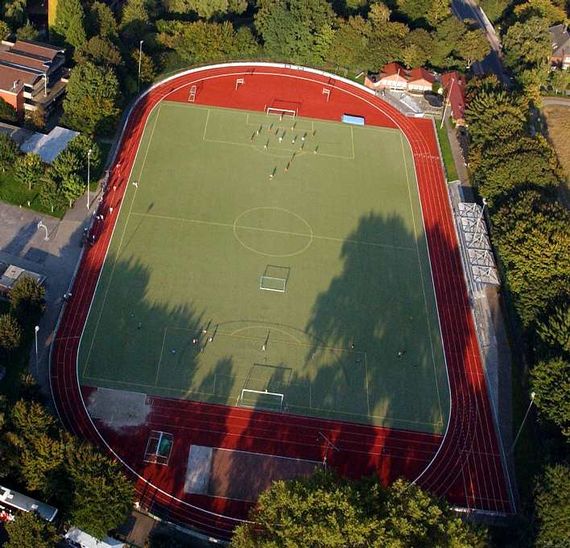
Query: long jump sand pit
[{"x": 237, "y": 474}]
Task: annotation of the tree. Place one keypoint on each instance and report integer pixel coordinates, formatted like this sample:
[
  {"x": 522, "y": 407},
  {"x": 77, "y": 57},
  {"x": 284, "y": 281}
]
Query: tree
[
  {"x": 324, "y": 510},
  {"x": 102, "y": 495},
  {"x": 418, "y": 48},
  {"x": 49, "y": 194},
  {"x": 99, "y": 51},
  {"x": 79, "y": 148},
  {"x": 7, "y": 111},
  {"x": 91, "y": 102},
  {"x": 28, "y": 529},
  {"x": 533, "y": 235},
  {"x": 66, "y": 163},
  {"x": 15, "y": 12},
  {"x": 555, "y": 329},
  {"x": 508, "y": 172},
  {"x": 348, "y": 48},
  {"x": 10, "y": 333},
  {"x": 207, "y": 8},
  {"x": 28, "y": 169},
  {"x": 540, "y": 8},
  {"x": 496, "y": 116},
  {"x": 103, "y": 22},
  {"x": 4, "y": 29},
  {"x": 8, "y": 152},
  {"x": 201, "y": 41},
  {"x": 35, "y": 441},
  {"x": 494, "y": 8},
  {"x": 28, "y": 32},
  {"x": 27, "y": 298},
  {"x": 550, "y": 380},
  {"x": 136, "y": 19},
  {"x": 559, "y": 80},
  {"x": 527, "y": 53},
  {"x": 552, "y": 502},
  {"x": 473, "y": 47},
  {"x": 148, "y": 71},
  {"x": 447, "y": 39},
  {"x": 295, "y": 29},
  {"x": 70, "y": 22},
  {"x": 72, "y": 186}
]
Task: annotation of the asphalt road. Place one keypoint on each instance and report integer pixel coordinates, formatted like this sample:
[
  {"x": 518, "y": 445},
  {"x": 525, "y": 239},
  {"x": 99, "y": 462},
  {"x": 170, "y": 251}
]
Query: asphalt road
[{"x": 492, "y": 64}]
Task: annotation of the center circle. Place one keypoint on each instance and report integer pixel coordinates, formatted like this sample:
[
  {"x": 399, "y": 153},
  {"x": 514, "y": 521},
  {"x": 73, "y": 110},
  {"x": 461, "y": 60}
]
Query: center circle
[{"x": 273, "y": 231}]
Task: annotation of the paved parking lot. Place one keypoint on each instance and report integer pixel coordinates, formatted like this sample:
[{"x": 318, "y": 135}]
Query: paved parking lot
[{"x": 24, "y": 244}]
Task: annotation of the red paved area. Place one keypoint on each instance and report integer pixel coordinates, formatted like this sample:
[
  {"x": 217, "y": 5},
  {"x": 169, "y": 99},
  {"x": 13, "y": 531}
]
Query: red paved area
[{"x": 464, "y": 465}]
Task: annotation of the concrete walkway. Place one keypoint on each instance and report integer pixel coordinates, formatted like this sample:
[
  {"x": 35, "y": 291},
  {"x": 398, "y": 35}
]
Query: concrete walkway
[{"x": 23, "y": 244}]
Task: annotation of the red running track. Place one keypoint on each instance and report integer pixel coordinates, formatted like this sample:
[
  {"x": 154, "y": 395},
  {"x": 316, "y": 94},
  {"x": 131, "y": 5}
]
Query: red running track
[{"x": 465, "y": 465}]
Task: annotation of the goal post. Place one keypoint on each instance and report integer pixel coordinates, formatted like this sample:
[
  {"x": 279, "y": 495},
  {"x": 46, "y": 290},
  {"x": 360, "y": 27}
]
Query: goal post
[
  {"x": 261, "y": 399},
  {"x": 281, "y": 112},
  {"x": 269, "y": 283}
]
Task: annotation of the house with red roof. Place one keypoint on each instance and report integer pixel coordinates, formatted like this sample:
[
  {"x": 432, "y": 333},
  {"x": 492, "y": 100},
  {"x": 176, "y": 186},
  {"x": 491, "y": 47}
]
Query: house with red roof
[
  {"x": 31, "y": 75},
  {"x": 454, "y": 88},
  {"x": 420, "y": 80},
  {"x": 395, "y": 76},
  {"x": 392, "y": 76}
]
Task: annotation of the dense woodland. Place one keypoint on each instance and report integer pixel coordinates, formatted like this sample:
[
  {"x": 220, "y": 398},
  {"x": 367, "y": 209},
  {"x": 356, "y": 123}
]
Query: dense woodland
[{"x": 512, "y": 166}]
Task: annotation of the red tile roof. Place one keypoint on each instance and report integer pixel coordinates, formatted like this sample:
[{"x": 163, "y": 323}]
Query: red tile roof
[
  {"x": 421, "y": 73},
  {"x": 454, "y": 85},
  {"x": 393, "y": 68}
]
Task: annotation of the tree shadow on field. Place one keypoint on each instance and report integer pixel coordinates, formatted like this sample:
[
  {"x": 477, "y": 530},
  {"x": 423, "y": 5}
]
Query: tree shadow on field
[{"x": 379, "y": 309}]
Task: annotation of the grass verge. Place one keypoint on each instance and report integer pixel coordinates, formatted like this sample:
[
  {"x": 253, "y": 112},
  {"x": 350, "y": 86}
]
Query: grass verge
[
  {"x": 446, "y": 154},
  {"x": 12, "y": 192}
]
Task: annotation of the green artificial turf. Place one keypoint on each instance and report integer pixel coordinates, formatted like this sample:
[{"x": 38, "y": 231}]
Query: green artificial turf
[{"x": 230, "y": 201}]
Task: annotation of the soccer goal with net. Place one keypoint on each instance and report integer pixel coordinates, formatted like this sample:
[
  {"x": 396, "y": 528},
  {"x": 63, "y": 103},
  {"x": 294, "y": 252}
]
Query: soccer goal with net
[{"x": 281, "y": 112}]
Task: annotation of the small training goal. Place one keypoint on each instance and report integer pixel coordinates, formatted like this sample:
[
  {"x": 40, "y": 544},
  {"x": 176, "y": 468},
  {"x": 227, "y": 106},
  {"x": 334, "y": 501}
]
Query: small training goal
[{"x": 274, "y": 278}]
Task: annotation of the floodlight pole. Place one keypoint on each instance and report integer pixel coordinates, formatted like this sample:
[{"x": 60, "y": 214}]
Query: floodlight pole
[
  {"x": 36, "y": 329},
  {"x": 446, "y": 103},
  {"x": 532, "y": 395},
  {"x": 140, "y": 62},
  {"x": 89, "y": 152}
]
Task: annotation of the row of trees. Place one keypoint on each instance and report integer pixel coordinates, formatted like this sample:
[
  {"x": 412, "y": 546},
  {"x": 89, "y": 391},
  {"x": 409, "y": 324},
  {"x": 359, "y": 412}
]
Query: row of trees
[
  {"x": 527, "y": 46},
  {"x": 90, "y": 489},
  {"x": 325, "y": 510},
  {"x": 59, "y": 184},
  {"x": 519, "y": 175},
  {"x": 355, "y": 35}
]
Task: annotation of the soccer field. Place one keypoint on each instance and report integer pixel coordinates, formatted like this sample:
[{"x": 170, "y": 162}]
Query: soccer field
[{"x": 271, "y": 262}]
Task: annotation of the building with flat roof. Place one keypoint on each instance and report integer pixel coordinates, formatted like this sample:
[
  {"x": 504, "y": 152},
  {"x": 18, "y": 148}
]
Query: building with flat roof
[
  {"x": 12, "y": 500},
  {"x": 31, "y": 75}
]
